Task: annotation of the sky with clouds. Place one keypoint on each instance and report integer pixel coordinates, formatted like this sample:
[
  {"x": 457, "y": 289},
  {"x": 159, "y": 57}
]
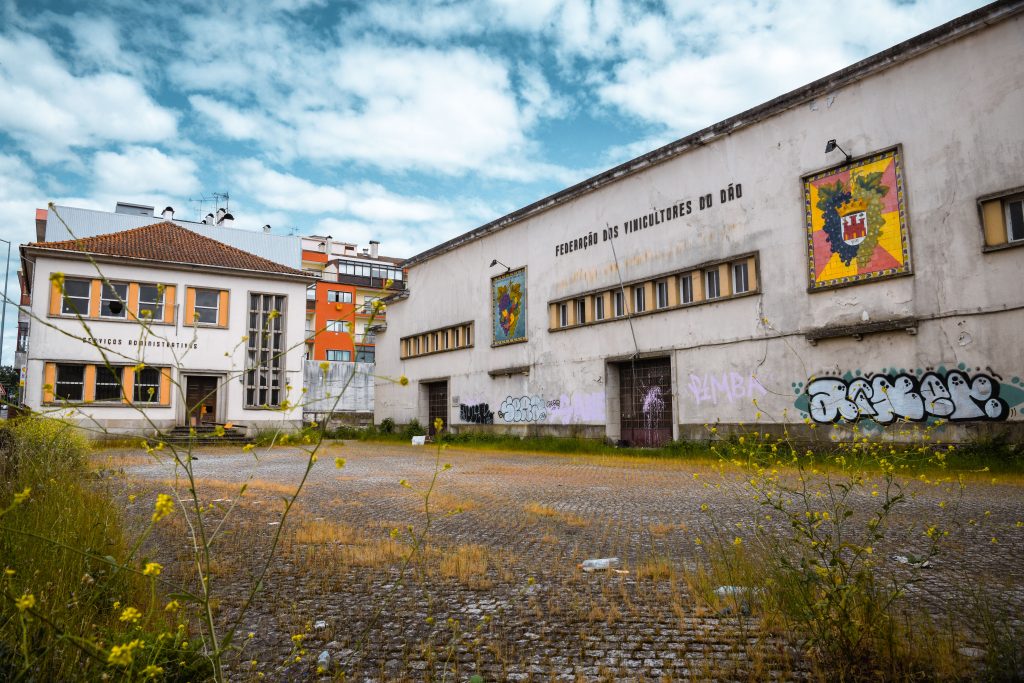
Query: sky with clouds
[{"x": 407, "y": 122}]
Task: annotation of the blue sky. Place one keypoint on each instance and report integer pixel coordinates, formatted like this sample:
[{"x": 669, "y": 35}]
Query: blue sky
[{"x": 406, "y": 122}]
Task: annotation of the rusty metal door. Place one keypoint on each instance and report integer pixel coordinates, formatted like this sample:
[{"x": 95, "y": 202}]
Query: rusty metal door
[
  {"x": 437, "y": 405},
  {"x": 646, "y": 402}
]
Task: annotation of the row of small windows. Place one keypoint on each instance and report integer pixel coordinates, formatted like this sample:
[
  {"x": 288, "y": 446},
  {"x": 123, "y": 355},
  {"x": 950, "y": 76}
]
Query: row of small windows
[
  {"x": 96, "y": 298},
  {"x": 698, "y": 285},
  {"x": 374, "y": 271},
  {"x": 84, "y": 383},
  {"x": 446, "y": 339}
]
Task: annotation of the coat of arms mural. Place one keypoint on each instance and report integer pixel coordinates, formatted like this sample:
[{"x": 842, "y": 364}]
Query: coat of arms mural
[
  {"x": 856, "y": 222},
  {"x": 508, "y": 307}
]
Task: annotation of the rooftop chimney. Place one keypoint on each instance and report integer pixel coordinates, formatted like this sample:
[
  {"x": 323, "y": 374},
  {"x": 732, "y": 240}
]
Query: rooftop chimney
[
  {"x": 168, "y": 213},
  {"x": 266, "y": 228},
  {"x": 374, "y": 248},
  {"x": 221, "y": 212},
  {"x": 227, "y": 220},
  {"x": 208, "y": 220}
]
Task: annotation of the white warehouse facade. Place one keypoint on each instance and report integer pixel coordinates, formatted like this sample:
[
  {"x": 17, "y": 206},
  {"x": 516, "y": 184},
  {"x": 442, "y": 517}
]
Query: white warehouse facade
[
  {"x": 145, "y": 330},
  {"x": 753, "y": 272}
]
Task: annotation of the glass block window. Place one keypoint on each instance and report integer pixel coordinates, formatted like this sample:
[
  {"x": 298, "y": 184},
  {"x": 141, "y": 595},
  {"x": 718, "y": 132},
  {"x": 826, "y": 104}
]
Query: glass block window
[{"x": 264, "y": 361}]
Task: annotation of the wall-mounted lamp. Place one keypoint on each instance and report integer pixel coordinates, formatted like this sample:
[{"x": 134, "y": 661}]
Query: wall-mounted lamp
[
  {"x": 496, "y": 262},
  {"x": 831, "y": 146}
]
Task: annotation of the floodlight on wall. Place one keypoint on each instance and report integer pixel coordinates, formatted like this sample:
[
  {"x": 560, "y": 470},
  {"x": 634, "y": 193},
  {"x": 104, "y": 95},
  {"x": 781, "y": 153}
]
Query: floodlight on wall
[
  {"x": 831, "y": 146},
  {"x": 496, "y": 262}
]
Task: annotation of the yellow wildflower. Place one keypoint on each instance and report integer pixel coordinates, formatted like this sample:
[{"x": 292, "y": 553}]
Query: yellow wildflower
[
  {"x": 121, "y": 655},
  {"x": 20, "y": 498},
  {"x": 25, "y": 602},
  {"x": 172, "y": 606},
  {"x": 152, "y": 569},
  {"x": 163, "y": 507},
  {"x": 339, "y": 462},
  {"x": 130, "y": 615},
  {"x": 151, "y": 671},
  {"x": 737, "y": 541}
]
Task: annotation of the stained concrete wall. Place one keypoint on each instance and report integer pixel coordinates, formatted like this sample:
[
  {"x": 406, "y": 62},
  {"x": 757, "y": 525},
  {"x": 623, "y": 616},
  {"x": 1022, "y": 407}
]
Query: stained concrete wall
[{"x": 955, "y": 113}]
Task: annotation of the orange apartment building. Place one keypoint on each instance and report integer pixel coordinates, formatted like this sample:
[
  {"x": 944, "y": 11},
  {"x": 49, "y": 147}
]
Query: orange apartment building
[{"x": 340, "y": 320}]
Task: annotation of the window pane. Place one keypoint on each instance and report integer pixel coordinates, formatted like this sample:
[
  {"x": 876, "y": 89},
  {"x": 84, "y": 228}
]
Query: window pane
[
  {"x": 208, "y": 298},
  {"x": 686, "y": 289},
  {"x": 151, "y": 304},
  {"x": 713, "y": 289},
  {"x": 76, "y": 297},
  {"x": 108, "y": 383},
  {"x": 1015, "y": 220},
  {"x": 70, "y": 383},
  {"x": 599, "y": 307},
  {"x": 147, "y": 386}
]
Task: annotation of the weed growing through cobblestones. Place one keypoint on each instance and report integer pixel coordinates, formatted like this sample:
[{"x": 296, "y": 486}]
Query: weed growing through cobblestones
[{"x": 817, "y": 563}]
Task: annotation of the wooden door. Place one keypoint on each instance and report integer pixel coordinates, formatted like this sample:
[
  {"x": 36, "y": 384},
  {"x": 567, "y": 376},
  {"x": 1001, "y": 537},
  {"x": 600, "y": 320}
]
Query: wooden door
[
  {"x": 646, "y": 400},
  {"x": 200, "y": 400}
]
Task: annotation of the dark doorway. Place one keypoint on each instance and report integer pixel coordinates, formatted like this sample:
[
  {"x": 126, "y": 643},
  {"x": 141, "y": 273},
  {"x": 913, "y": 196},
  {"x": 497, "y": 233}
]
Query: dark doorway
[
  {"x": 646, "y": 400},
  {"x": 437, "y": 405},
  {"x": 200, "y": 400}
]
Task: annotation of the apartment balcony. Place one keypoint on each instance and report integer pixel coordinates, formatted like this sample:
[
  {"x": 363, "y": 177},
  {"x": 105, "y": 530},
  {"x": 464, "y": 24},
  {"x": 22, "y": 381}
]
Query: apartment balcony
[{"x": 367, "y": 312}]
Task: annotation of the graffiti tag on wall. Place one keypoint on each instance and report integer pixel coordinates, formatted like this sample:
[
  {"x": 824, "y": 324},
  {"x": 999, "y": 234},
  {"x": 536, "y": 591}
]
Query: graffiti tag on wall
[
  {"x": 523, "y": 409},
  {"x": 953, "y": 395},
  {"x": 476, "y": 414},
  {"x": 729, "y": 386}
]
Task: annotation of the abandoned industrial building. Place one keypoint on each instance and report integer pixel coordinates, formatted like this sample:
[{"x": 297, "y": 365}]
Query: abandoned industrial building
[{"x": 843, "y": 256}]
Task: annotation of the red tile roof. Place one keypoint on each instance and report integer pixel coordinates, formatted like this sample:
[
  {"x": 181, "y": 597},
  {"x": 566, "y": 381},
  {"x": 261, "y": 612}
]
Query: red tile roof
[{"x": 169, "y": 243}]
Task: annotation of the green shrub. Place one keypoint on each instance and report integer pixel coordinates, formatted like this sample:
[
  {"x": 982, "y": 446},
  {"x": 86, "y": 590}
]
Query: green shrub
[
  {"x": 61, "y": 544},
  {"x": 387, "y": 426},
  {"x": 414, "y": 428}
]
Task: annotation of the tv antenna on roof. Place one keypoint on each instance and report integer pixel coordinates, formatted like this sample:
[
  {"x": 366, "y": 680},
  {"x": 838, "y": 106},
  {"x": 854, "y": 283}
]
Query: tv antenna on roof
[{"x": 214, "y": 200}]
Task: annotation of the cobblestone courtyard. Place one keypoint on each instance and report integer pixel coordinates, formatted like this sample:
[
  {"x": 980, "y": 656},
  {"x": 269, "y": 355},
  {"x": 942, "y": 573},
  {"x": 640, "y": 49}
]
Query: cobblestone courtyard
[{"x": 498, "y": 591}]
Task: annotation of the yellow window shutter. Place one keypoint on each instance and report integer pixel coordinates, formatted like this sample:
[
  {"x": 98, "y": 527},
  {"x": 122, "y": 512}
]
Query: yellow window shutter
[
  {"x": 95, "y": 291},
  {"x": 222, "y": 310},
  {"x": 56, "y": 298},
  {"x": 169, "y": 301},
  {"x": 90, "y": 381},
  {"x": 49, "y": 381},
  {"x": 165, "y": 386},
  {"x": 994, "y": 222},
  {"x": 752, "y": 274},
  {"x": 133, "y": 300},
  {"x": 190, "y": 306},
  {"x": 127, "y": 384}
]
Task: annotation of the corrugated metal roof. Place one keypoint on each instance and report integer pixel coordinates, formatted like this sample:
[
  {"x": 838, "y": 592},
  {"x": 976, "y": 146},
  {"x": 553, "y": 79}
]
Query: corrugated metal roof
[{"x": 68, "y": 222}]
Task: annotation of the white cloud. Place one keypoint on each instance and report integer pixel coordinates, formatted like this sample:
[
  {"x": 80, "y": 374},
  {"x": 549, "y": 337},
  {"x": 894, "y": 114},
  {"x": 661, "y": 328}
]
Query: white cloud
[
  {"x": 724, "y": 58},
  {"x": 140, "y": 170},
  {"x": 364, "y": 200},
  {"x": 48, "y": 109}
]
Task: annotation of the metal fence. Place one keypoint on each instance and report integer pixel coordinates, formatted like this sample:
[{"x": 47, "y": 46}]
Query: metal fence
[{"x": 336, "y": 387}]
